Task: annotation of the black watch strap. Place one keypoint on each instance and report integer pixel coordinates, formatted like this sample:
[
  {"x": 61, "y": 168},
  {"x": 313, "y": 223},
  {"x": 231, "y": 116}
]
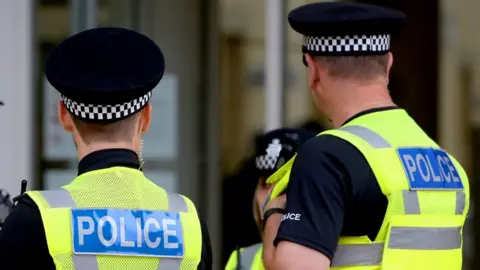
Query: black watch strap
[{"x": 270, "y": 212}]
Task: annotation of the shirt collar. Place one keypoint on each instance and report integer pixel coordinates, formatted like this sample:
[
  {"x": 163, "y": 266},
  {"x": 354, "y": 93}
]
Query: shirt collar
[
  {"x": 380, "y": 109},
  {"x": 108, "y": 158}
]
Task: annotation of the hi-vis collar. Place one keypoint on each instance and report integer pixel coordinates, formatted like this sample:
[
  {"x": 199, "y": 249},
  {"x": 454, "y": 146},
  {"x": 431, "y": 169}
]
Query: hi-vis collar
[{"x": 280, "y": 180}]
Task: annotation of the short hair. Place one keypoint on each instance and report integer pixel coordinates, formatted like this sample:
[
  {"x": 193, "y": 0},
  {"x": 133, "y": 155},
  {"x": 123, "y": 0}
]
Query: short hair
[
  {"x": 122, "y": 130},
  {"x": 365, "y": 67}
]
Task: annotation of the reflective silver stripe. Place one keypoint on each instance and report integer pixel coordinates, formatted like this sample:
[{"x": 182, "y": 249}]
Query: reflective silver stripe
[
  {"x": 169, "y": 263},
  {"x": 460, "y": 204},
  {"x": 414, "y": 238},
  {"x": 411, "y": 202},
  {"x": 61, "y": 198},
  {"x": 425, "y": 238},
  {"x": 368, "y": 135},
  {"x": 58, "y": 198},
  {"x": 85, "y": 262},
  {"x": 247, "y": 256},
  {"x": 176, "y": 203},
  {"x": 358, "y": 255}
]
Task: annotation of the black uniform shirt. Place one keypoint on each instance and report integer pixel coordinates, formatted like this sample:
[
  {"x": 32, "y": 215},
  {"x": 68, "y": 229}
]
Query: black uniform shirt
[
  {"x": 335, "y": 193},
  {"x": 22, "y": 239}
]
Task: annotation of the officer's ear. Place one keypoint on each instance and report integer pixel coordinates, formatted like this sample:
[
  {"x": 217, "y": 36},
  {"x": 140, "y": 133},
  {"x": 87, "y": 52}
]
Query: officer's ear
[
  {"x": 313, "y": 71},
  {"x": 389, "y": 63},
  {"x": 145, "y": 118},
  {"x": 64, "y": 117}
]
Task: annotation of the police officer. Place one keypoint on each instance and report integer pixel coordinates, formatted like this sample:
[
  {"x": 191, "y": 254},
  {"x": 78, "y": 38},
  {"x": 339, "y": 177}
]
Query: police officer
[
  {"x": 110, "y": 216},
  {"x": 375, "y": 192},
  {"x": 273, "y": 150}
]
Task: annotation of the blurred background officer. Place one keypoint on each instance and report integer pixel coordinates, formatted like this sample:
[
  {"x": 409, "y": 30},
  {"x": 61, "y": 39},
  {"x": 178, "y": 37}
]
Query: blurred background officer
[
  {"x": 239, "y": 228},
  {"x": 273, "y": 150},
  {"x": 376, "y": 192},
  {"x": 105, "y": 77}
]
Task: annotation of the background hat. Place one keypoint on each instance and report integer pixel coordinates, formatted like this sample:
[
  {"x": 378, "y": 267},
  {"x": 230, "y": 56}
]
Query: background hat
[{"x": 277, "y": 147}]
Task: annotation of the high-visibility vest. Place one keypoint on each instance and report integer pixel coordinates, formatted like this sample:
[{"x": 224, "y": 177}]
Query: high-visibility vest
[
  {"x": 250, "y": 258},
  {"x": 116, "y": 218},
  {"x": 422, "y": 228}
]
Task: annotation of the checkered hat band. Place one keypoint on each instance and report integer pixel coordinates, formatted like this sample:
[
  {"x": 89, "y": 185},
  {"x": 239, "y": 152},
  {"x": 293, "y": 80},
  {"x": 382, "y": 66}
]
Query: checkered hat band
[
  {"x": 105, "y": 112},
  {"x": 266, "y": 162},
  {"x": 339, "y": 44}
]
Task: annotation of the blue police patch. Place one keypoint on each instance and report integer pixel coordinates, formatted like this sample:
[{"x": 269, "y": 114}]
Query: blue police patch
[
  {"x": 127, "y": 232},
  {"x": 429, "y": 169}
]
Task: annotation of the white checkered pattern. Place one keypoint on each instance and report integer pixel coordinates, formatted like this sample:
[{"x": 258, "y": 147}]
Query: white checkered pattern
[
  {"x": 266, "y": 162},
  {"x": 339, "y": 44},
  {"x": 106, "y": 112}
]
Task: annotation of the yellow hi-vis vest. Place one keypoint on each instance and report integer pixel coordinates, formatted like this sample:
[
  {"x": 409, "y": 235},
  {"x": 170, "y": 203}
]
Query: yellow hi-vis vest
[
  {"x": 250, "y": 258},
  {"x": 427, "y": 190},
  {"x": 116, "y": 218}
]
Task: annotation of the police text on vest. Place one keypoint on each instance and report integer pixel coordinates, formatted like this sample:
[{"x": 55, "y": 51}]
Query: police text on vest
[
  {"x": 291, "y": 216},
  {"x": 429, "y": 169},
  {"x": 127, "y": 232}
]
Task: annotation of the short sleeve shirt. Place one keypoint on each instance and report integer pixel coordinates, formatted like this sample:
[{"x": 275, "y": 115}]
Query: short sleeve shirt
[{"x": 332, "y": 192}]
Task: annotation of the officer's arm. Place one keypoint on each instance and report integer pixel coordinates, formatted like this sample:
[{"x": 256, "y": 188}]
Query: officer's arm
[
  {"x": 22, "y": 238},
  {"x": 308, "y": 235}
]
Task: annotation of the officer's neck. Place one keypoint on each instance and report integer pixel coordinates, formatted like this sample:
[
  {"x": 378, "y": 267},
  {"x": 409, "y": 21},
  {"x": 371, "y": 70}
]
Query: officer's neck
[
  {"x": 351, "y": 100},
  {"x": 85, "y": 149}
]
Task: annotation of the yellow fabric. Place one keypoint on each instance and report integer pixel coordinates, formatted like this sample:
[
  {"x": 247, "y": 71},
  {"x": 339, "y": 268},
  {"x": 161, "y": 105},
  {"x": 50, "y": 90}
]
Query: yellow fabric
[
  {"x": 116, "y": 187},
  {"x": 437, "y": 208},
  {"x": 257, "y": 263}
]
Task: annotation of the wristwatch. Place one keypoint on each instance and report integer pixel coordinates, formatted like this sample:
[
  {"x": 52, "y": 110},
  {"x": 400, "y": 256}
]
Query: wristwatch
[{"x": 270, "y": 212}]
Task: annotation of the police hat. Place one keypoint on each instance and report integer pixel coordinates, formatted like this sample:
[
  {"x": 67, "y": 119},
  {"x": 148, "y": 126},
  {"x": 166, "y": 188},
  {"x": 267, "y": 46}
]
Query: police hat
[
  {"x": 105, "y": 74},
  {"x": 277, "y": 147},
  {"x": 345, "y": 29}
]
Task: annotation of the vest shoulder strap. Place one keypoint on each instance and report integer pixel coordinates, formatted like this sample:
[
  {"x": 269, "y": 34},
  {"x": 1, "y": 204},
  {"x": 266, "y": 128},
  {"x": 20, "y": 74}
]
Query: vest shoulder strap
[
  {"x": 247, "y": 255},
  {"x": 61, "y": 198}
]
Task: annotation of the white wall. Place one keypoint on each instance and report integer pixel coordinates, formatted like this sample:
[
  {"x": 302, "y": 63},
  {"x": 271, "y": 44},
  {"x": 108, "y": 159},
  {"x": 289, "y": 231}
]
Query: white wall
[{"x": 16, "y": 76}]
